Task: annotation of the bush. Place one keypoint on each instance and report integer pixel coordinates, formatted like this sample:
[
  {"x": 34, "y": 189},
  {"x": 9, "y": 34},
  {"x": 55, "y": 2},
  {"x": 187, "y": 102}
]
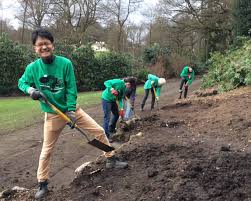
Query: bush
[
  {"x": 64, "y": 50},
  {"x": 112, "y": 65},
  {"x": 85, "y": 68},
  {"x": 230, "y": 70},
  {"x": 14, "y": 58},
  {"x": 151, "y": 54}
]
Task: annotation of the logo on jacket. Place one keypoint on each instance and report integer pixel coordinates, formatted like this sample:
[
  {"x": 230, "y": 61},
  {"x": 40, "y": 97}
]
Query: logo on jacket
[{"x": 51, "y": 83}]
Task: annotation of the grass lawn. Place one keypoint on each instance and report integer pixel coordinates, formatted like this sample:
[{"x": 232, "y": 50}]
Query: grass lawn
[{"x": 20, "y": 112}]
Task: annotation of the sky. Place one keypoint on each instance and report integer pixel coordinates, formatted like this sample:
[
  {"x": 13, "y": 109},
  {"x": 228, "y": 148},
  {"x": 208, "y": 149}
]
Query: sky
[
  {"x": 10, "y": 8},
  {"x": 8, "y": 11}
]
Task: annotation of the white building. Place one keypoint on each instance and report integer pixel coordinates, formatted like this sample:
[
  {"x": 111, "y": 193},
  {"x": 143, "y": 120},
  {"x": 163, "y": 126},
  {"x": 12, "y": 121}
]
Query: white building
[{"x": 99, "y": 47}]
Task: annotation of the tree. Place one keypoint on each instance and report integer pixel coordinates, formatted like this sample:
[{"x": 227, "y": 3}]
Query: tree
[
  {"x": 207, "y": 21},
  {"x": 34, "y": 13},
  {"x": 242, "y": 10},
  {"x": 118, "y": 11},
  {"x": 74, "y": 17}
]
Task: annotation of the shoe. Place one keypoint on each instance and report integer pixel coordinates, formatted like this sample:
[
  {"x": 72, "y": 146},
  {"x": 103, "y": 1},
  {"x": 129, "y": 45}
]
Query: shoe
[
  {"x": 114, "y": 162},
  {"x": 42, "y": 190}
]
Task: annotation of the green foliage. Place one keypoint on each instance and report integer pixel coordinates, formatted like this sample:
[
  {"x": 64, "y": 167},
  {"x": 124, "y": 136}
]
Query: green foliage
[
  {"x": 141, "y": 74},
  {"x": 64, "y": 50},
  {"x": 159, "y": 59},
  {"x": 91, "y": 71},
  {"x": 85, "y": 67},
  {"x": 229, "y": 70},
  {"x": 242, "y": 17},
  {"x": 112, "y": 65},
  {"x": 151, "y": 54},
  {"x": 13, "y": 59}
]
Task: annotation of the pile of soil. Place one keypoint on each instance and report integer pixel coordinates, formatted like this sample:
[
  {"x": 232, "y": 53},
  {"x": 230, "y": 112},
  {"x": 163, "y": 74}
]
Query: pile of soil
[{"x": 190, "y": 150}]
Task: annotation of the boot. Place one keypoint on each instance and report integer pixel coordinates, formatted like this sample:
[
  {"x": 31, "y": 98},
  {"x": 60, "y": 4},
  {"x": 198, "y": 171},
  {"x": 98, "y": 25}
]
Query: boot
[
  {"x": 42, "y": 190},
  {"x": 114, "y": 162}
]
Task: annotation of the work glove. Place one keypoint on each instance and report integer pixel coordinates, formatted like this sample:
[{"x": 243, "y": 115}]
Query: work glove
[
  {"x": 121, "y": 113},
  {"x": 35, "y": 94},
  {"x": 72, "y": 116},
  {"x": 114, "y": 92},
  {"x": 157, "y": 98}
]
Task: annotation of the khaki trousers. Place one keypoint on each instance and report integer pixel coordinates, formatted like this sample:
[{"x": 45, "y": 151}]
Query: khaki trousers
[{"x": 53, "y": 125}]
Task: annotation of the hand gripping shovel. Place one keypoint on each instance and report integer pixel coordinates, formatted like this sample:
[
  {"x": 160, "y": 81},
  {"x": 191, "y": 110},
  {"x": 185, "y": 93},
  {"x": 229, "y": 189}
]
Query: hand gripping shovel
[{"x": 96, "y": 143}]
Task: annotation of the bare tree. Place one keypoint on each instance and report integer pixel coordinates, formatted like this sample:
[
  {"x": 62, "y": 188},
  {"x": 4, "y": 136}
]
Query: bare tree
[
  {"x": 119, "y": 11},
  {"x": 33, "y": 13},
  {"x": 202, "y": 20},
  {"x": 135, "y": 37},
  {"x": 73, "y": 17}
]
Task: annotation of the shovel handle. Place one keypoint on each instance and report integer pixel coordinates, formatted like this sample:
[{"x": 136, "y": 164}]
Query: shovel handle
[
  {"x": 154, "y": 91},
  {"x": 64, "y": 116}
]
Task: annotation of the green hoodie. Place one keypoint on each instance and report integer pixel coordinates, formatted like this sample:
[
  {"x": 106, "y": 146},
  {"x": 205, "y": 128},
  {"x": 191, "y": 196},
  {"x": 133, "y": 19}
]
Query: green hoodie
[
  {"x": 148, "y": 84},
  {"x": 185, "y": 74},
  {"x": 56, "y": 81},
  {"x": 118, "y": 85}
]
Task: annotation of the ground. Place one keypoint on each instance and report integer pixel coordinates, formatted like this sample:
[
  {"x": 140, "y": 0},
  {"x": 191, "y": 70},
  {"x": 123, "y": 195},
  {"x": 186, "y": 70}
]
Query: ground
[{"x": 188, "y": 150}]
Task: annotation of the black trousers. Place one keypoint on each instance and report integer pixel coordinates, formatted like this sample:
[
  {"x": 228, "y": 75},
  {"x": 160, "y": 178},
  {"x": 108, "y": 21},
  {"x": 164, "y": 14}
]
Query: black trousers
[
  {"x": 146, "y": 96},
  {"x": 183, "y": 81}
]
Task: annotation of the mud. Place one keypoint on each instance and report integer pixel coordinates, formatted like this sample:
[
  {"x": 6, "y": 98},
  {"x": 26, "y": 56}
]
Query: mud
[{"x": 198, "y": 151}]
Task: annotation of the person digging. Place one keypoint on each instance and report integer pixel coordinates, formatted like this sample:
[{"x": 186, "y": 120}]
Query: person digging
[
  {"x": 187, "y": 77},
  {"x": 112, "y": 102},
  {"x": 154, "y": 84},
  {"x": 52, "y": 77}
]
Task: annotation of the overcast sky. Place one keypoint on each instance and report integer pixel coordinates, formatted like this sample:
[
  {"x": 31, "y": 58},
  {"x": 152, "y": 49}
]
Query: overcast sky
[{"x": 10, "y": 9}]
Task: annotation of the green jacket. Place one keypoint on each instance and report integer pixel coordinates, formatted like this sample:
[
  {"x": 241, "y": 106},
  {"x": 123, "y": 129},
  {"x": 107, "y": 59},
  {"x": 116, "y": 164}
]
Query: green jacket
[
  {"x": 118, "y": 85},
  {"x": 185, "y": 74},
  {"x": 148, "y": 84},
  {"x": 56, "y": 81}
]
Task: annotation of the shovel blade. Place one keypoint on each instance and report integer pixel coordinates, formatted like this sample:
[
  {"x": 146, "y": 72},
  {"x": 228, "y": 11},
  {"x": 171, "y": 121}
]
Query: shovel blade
[{"x": 100, "y": 145}]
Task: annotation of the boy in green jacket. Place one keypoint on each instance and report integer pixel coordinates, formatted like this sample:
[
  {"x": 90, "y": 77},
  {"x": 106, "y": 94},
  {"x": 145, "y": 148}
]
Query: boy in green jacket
[
  {"x": 187, "y": 77},
  {"x": 112, "y": 102},
  {"x": 154, "y": 84},
  {"x": 53, "y": 77}
]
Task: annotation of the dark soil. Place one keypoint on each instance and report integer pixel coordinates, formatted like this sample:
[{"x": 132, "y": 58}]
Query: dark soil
[{"x": 192, "y": 150}]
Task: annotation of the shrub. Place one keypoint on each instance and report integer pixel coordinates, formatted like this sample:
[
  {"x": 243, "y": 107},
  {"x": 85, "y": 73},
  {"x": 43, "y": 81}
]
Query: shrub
[
  {"x": 14, "y": 58},
  {"x": 229, "y": 70},
  {"x": 85, "y": 67},
  {"x": 112, "y": 65}
]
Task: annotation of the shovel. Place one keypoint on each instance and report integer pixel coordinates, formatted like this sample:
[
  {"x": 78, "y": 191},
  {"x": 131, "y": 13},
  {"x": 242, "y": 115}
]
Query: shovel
[
  {"x": 155, "y": 98},
  {"x": 127, "y": 99},
  {"x": 96, "y": 143}
]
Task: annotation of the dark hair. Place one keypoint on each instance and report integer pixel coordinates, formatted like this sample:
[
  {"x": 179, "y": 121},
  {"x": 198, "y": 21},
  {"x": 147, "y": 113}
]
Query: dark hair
[
  {"x": 132, "y": 80},
  {"x": 43, "y": 33}
]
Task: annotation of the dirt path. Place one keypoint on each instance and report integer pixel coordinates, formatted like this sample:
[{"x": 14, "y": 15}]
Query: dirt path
[
  {"x": 190, "y": 150},
  {"x": 19, "y": 151}
]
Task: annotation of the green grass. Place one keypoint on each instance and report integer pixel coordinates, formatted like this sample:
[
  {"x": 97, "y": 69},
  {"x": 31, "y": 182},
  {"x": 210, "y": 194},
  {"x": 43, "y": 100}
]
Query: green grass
[{"x": 21, "y": 112}]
